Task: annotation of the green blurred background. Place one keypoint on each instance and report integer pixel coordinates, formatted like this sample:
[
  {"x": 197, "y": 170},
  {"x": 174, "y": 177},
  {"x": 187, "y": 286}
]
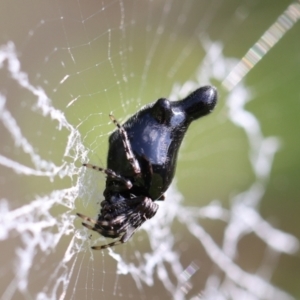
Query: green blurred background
[{"x": 95, "y": 57}]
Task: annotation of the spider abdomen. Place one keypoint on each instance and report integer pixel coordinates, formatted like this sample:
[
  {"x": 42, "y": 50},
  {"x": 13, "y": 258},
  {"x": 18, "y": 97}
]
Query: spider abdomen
[{"x": 141, "y": 162}]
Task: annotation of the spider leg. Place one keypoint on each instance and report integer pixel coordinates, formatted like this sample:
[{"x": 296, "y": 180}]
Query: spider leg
[
  {"x": 147, "y": 208},
  {"x": 128, "y": 234},
  {"x": 85, "y": 218},
  {"x": 111, "y": 174},
  {"x": 129, "y": 155},
  {"x": 104, "y": 232},
  {"x": 127, "y": 146},
  {"x": 134, "y": 218},
  {"x": 88, "y": 226},
  {"x": 103, "y": 227},
  {"x": 130, "y": 215},
  {"x": 94, "y": 223},
  {"x": 118, "y": 242}
]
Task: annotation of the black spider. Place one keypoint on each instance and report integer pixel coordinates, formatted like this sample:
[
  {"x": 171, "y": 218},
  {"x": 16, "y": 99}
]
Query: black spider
[{"x": 141, "y": 163}]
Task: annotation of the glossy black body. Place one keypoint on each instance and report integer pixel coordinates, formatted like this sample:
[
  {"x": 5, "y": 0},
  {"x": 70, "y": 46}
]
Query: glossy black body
[
  {"x": 155, "y": 134},
  {"x": 141, "y": 163}
]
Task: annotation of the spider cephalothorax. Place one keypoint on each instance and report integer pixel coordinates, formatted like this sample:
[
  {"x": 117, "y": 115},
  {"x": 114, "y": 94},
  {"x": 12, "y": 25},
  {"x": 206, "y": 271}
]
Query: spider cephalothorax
[{"x": 141, "y": 162}]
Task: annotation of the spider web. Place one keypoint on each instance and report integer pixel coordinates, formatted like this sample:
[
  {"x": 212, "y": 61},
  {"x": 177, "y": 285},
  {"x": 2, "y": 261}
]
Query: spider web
[{"x": 224, "y": 231}]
